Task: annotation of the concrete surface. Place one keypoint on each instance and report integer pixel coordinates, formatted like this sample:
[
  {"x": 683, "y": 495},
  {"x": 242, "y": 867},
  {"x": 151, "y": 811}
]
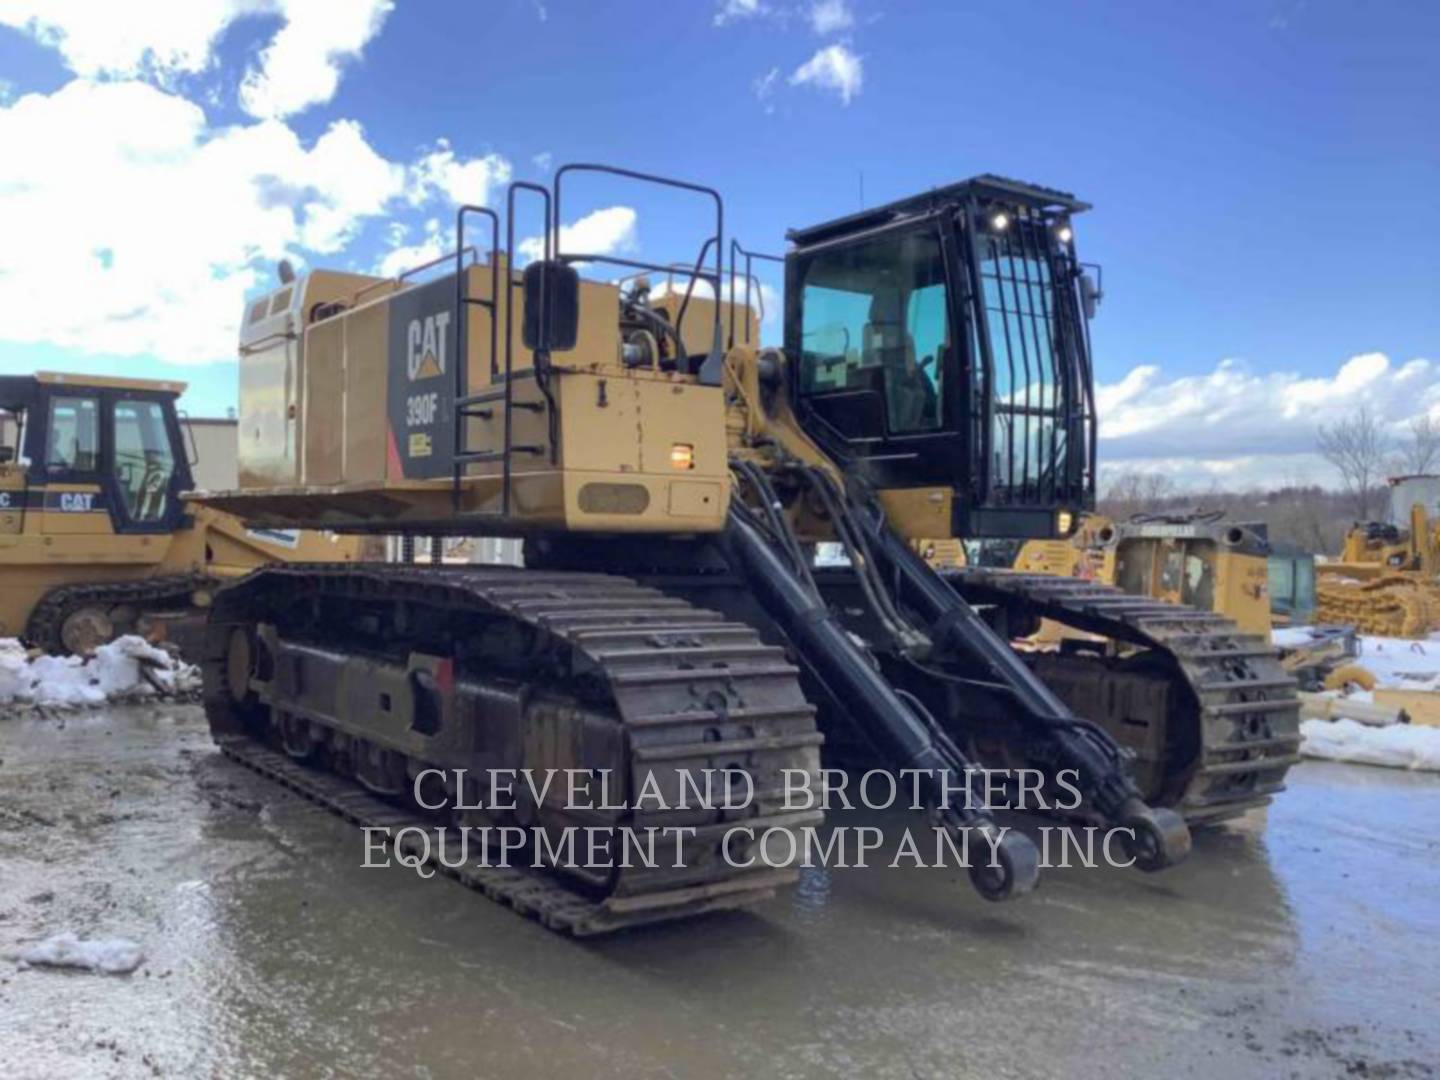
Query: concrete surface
[{"x": 1302, "y": 944}]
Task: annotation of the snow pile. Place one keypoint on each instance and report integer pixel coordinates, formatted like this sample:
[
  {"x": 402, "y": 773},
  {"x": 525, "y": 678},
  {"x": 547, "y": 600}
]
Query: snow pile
[
  {"x": 1401, "y": 663},
  {"x": 1401, "y": 746},
  {"x": 114, "y": 956},
  {"x": 124, "y": 669}
]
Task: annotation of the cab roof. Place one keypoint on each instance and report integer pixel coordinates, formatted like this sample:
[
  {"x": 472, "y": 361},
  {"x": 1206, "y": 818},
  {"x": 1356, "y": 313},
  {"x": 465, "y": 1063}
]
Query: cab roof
[
  {"x": 19, "y": 391},
  {"x": 983, "y": 188}
]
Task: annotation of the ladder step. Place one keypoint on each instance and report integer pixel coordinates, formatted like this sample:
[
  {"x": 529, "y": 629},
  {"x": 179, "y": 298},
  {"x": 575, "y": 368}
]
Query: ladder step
[
  {"x": 470, "y": 457},
  {"x": 483, "y": 397}
]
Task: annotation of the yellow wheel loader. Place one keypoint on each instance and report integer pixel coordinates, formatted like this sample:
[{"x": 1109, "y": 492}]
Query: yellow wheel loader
[
  {"x": 95, "y": 538},
  {"x": 671, "y": 481}
]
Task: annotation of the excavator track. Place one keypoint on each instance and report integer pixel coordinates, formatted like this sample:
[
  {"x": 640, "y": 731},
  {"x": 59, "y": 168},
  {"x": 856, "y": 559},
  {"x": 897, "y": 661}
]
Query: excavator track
[
  {"x": 599, "y": 666},
  {"x": 1231, "y": 731},
  {"x": 44, "y": 629}
]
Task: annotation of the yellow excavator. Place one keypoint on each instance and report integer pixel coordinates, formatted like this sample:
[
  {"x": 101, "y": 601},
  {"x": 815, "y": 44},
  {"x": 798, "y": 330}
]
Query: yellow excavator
[
  {"x": 95, "y": 538},
  {"x": 671, "y": 481}
]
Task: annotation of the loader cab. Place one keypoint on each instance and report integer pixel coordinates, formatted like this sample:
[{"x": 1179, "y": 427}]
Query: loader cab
[
  {"x": 96, "y": 449},
  {"x": 939, "y": 344}
]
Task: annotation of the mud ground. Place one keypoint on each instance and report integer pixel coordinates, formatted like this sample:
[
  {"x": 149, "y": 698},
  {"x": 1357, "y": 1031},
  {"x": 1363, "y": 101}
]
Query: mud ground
[{"x": 1302, "y": 941}]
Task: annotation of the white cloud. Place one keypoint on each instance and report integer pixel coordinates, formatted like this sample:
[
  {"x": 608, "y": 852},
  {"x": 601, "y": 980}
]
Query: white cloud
[
  {"x": 462, "y": 181},
  {"x": 1248, "y": 427},
  {"x": 301, "y": 66},
  {"x": 298, "y": 68},
  {"x": 731, "y": 10},
  {"x": 830, "y": 17},
  {"x": 834, "y": 68},
  {"x": 543, "y": 161},
  {"x": 763, "y": 87},
  {"x": 127, "y": 39},
  {"x": 401, "y": 256},
  {"x": 169, "y": 222},
  {"x": 610, "y": 231}
]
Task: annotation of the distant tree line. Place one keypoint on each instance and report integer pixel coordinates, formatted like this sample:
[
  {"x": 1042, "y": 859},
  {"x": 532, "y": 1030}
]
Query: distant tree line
[
  {"x": 1359, "y": 447},
  {"x": 1310, "y": 517}
]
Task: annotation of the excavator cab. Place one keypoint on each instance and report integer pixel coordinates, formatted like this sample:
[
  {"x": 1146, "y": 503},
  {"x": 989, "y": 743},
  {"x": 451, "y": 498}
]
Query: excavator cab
[{"x": 942, "y": 352}]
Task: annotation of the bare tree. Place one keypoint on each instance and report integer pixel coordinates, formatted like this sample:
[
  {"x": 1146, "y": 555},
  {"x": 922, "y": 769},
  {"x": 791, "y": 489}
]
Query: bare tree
[
  {"x": 1357, "y": 447},
  {"x": 1420, "y": 453},
  {"x": 1135, "y": 492}
]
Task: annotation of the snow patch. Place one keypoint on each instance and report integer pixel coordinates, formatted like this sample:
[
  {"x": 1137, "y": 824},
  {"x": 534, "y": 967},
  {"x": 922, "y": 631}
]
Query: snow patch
[
  {"x": 1400, "y": 746},
  {"x": 113, "y": 956},
  {"x": 126, "y": 669},
  {"x": 1396, "y": 663}
]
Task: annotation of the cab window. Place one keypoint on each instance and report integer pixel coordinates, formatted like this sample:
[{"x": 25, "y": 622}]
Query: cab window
[
  {"x": 875, "y": 323},
  {"x": 143, "y": 461},
  {"x": 73, "y": 443}
]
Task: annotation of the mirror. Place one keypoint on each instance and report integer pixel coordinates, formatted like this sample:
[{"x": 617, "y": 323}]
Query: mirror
[
  {"x": 559, "y": 285},
  {"x": 1090, "y": 295}
]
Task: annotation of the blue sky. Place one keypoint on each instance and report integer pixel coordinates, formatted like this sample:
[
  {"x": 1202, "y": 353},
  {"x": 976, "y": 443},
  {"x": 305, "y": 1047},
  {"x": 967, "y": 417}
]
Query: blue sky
[{"x": 1264, "y": 173}]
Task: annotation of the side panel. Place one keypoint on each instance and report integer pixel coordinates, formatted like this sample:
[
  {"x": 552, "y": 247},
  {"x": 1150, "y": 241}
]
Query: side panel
[
  {"x": 266, "y": 450},
  {"x": 421, "y": 382},
  {"x": 323, "y": 404},
  {"x": 364, "y": 417}
]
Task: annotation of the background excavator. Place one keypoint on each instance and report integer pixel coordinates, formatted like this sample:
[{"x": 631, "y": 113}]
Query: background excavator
[
  {"x": 671, "y": 480},
  {"x": 95, "y": 539}
]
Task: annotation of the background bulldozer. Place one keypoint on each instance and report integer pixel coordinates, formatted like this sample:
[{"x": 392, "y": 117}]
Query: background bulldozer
[
  {"x": 1385, "y": 580},
  {"x": 95, "y": 537},
  {"x": 1196, "y": 558}
]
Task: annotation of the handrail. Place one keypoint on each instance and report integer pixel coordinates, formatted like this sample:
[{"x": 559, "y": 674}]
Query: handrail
[
  {"x": 400, "y": 277},
  {"x": 736, "y": 249},
  {"x": 462, "y": 336},
  {"x": 460, "y": 251},
  {"x": 710, "y": 371},
  {"x": 277, "y": 335},
  {"x": 541, "y": 354}
]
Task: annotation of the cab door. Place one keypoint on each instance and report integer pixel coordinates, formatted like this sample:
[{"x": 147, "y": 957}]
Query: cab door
[
  {"x": 144, "y": 475},
  {"x": 66, "y": 453}
]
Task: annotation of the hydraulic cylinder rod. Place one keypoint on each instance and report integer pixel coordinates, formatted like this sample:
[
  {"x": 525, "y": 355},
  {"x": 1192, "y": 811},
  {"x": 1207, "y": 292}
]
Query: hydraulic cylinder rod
[
  {"x": 837, "y": 660},
  {"x": 960, "y": 635}
]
